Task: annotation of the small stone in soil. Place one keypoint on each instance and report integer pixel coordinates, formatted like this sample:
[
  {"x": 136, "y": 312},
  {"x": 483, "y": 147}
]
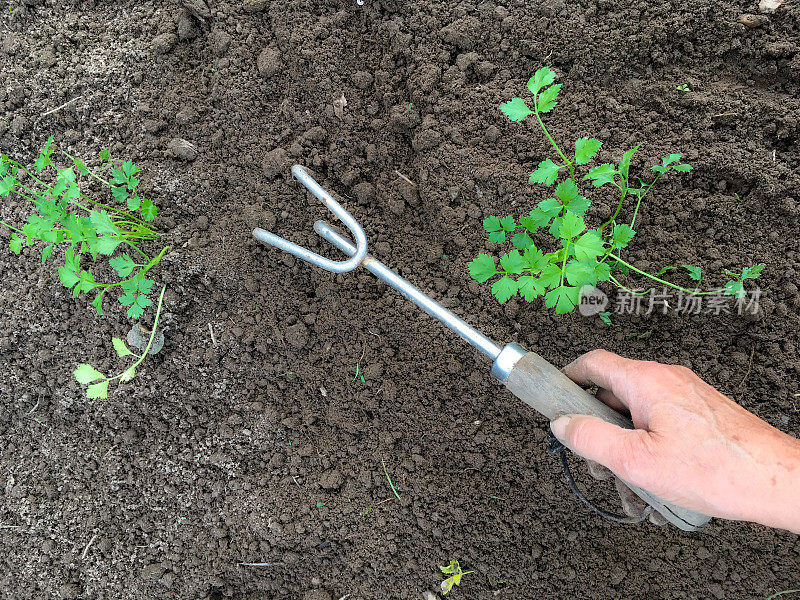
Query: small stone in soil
[
  {"x": 138, "y": 337},
  {"x": 255, "y": 5},
  {"x": 269, "y": 62},
  {"x": 181, "y": 149},
  {"x": 163, "y": 43},
  {"x": 187, "y": 28}
]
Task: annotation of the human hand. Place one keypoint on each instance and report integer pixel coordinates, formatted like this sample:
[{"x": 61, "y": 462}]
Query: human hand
[{"x": 692, "y": 445}]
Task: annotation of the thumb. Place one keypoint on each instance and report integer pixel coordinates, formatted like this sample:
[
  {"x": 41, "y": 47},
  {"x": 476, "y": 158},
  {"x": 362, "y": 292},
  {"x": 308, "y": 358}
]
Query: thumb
[{"x": 621, "y": 450}]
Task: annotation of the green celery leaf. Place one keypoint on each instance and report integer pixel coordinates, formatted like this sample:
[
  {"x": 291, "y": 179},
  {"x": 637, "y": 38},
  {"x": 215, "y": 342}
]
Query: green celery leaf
[
  {"x": 491, "y": 224},
  {"x": 668, "y": 160},
  {"x": 16, "y": 243},
  {"x": 148, "y": 209},
  {"x": 602, "y": 271},
  {"x": 120, "y": 347},
  {"x": 735, "y": 288},
  {"x": 512, "y": 262},
  {"x": 515, "y": 109},
  {"x": 47, "y": 251},
  {"x": 68, "y": 277},
  {"x": 571, "y": 225},
  {"x": 97, "y": 390},
  {"x": 102, "y": 222},
  {"x": 504, "y": 289},
  {"x": 144, "y": 285},
  {"x": 522, "y": 240},
  {"x": 128, "y": 168},
  {"x": 482, "y": 268},
  {"x": 579, "y": 206},
  {"x": 585, "y": 149},
  {"x": 530, "y": 288},
  {"x": 7, "y": 184},
  {"x": 580, "y": 273},
  {"x": 545, "y": 173},
  {"x": 563, "y": 298},
  {"x": 752, "y": 272},
  {"x": 622, "y": 235},
  {"x": 625, "y": 163},
  {"x": 44, "y": 156},
  {"x": 695, "y": 273},
  {"x": 134, "y": 202},
  {"x": 601, "y": 174},
  {"x": 98, "y": 301},
  {"x": 507, "y": 223},
  {"x": 122, "y": 264},
  {"x": 135, "y": 311},
  {"x": 534, "y": 259},
  {"x": 87, "y": 374},
  {"x": 684, "y": 168},
  {"x": 120, "y": 193},
  {"x": 551, "y": 275},
  {"x": 547, "y": 99},
  {"x": 107, "y": 244},
  {"x": 567, "y": 191},
  {"x": 550, "y": 207},
  {"x": 497, "y": 237},
  {"x": 541, "y": 78},
  {"x": 588, "y": 247}
]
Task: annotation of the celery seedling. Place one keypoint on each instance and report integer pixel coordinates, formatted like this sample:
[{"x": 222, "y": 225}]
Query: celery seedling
[
  {"x": 65, "y": 216},
  {"x": 98, "y": 383},
  {"x": 455, "y": 572},
  {"x": 583, "y": 255}
]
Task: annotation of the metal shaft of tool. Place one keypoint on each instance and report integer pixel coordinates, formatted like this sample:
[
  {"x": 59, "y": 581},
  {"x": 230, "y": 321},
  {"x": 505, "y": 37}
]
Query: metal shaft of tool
[{"x": 417, "y": 296}]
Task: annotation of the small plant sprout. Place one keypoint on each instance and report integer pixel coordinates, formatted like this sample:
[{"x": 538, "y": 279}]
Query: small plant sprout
[
  {"x": 455, "y": 572},
  {"x": 359, "y": 374},
  {"x": 684, "y": 87},
  {"x": 65, "y": 217},
  {"x": 98, "y": 383},
  {"x": 389, "y": 479},
  {"x": 580, "y": 255}
]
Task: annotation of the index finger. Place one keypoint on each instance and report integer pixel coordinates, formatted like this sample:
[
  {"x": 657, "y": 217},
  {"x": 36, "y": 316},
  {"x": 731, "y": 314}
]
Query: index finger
[{"x": 602, "y": 368}]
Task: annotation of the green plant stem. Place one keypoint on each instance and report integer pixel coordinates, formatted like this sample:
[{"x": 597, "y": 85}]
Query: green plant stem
[
  {"x": 150, "y": 341},
  {"x": 552, "y": 141},
  {"x": 391, "y": 485},
  {"x": 10, "y": 227},
  {"x": 564, "y": 262},
  {"x": 658, "y": 279},
  {"x": 636, "y": 210},
  {"x": 624, "y": 192}
]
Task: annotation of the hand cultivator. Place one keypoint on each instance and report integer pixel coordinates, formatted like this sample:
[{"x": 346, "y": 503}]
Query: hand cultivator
[{"x": 526, "y": 374}]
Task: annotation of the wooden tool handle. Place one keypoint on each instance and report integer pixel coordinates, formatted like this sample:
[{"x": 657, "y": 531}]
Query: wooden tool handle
[{"x": 547, "y": 390}]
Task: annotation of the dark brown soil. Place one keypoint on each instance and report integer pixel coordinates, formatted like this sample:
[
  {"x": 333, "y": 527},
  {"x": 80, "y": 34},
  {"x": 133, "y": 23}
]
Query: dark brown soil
[{"x": 220, "y": 453}]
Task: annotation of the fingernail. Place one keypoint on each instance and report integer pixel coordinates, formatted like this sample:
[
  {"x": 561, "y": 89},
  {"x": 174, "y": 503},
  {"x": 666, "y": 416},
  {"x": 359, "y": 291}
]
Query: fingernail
[{"x": 559, "y": 427}]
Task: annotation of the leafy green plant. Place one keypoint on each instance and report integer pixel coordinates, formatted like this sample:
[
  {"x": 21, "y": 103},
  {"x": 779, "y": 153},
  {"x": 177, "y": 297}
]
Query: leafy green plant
[
  {"x": 455, "y": 572},
  {"x": 582, "y": 255},
  {"x": 98, "y": 383},
  {"x": 683, "y": 87},
  {"x": 65, "y": 217}
]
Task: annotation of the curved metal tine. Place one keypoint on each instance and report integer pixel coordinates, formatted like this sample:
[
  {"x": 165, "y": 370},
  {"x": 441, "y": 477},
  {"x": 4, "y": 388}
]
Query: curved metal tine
[{"x": 337, "y": 209}]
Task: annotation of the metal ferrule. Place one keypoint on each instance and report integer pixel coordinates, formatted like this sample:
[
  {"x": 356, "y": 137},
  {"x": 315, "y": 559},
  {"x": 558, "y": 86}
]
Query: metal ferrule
[{"x": 506, "y": 361}]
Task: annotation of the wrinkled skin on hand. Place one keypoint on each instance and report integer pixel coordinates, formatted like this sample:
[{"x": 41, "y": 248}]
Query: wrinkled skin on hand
[{"x": 692, "y": 445}]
